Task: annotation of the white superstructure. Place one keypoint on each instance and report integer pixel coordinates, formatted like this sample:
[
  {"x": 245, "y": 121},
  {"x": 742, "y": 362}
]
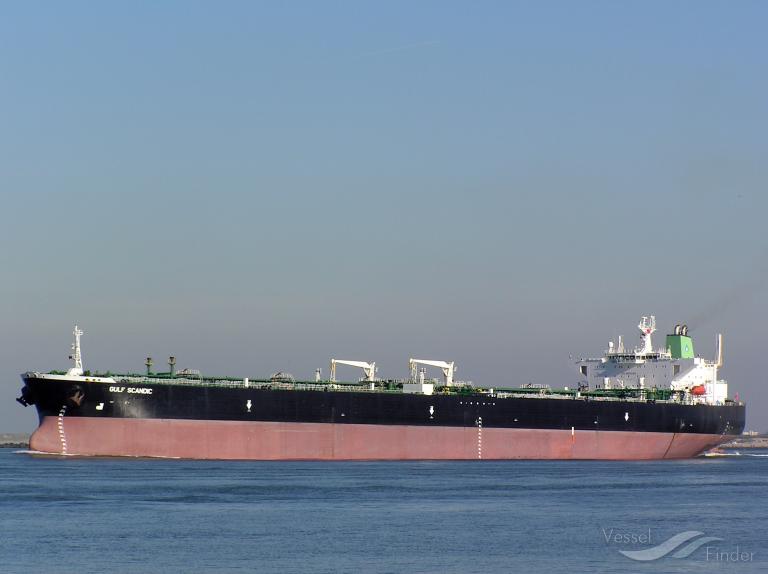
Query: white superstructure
[{"x": 674, "y": 367}]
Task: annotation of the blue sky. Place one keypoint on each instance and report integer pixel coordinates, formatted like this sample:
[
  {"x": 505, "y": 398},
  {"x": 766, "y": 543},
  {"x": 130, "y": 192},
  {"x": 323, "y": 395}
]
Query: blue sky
[{"x": 257, "y": 187}]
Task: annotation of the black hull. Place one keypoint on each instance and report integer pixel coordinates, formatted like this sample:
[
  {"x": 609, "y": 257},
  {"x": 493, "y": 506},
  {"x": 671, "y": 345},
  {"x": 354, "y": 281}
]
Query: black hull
[{"x": 222, "y": 403}]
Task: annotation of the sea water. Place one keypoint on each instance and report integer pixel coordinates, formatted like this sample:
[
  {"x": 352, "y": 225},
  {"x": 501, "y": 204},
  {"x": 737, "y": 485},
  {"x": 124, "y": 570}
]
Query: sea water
[{"x": 78, "y": 515}]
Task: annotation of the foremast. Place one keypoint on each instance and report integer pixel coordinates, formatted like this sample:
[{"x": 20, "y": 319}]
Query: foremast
[{"x": 77, "y": 368}]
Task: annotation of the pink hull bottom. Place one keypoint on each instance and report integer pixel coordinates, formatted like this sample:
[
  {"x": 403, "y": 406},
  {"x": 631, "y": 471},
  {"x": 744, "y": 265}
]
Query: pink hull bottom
[{"x": 174, "y": 438}]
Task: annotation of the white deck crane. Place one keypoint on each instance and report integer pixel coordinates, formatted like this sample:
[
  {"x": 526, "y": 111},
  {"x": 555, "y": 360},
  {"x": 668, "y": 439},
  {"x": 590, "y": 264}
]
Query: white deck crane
[
  {"x": 448, "y": 368},
  {"x": 369, "y": 369}
]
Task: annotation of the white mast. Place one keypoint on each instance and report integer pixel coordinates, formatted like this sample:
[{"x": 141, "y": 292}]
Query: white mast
[
  {"x": 77, "y": 368},
  {"x": 647, "y": 327}
]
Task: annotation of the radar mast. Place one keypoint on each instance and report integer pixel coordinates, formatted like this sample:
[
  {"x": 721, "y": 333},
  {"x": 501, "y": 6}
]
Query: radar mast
[{"x": 647, "y": 327}]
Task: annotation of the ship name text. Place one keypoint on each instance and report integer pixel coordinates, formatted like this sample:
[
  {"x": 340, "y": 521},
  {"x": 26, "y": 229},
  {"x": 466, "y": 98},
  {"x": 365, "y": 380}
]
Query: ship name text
[{"x": 135, "y": 390}]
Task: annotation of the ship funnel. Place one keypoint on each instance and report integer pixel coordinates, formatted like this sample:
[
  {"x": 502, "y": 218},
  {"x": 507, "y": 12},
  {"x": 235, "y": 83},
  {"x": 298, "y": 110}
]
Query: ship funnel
[
  {"x": 684, "y": 330},
  {"x": 171, "y": 365},
  {"x": 148, "y": 363},
  {"x": 677, "y": 329}
]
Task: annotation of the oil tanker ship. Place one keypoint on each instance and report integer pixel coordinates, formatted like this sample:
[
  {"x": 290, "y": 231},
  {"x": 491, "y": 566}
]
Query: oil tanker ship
[{"x": 643, "y": 403}]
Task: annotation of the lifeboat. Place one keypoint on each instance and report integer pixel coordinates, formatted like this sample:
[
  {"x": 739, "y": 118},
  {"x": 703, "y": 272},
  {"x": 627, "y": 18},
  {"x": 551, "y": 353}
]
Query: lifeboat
[{"x": 699, "y": 390}]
